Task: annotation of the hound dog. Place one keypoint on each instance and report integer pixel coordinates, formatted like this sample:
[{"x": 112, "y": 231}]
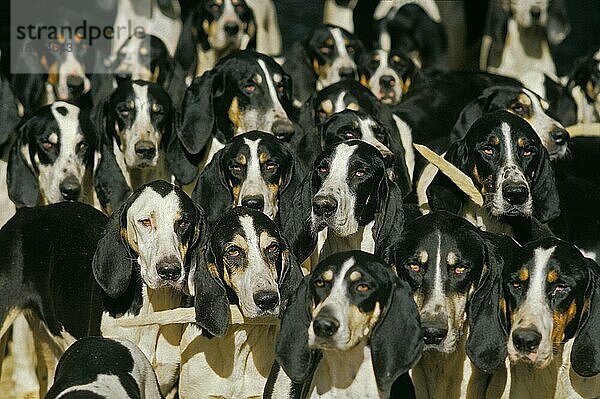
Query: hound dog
[
  {"x": 546, "y": 321},
  {"x": 268, "y": 36},
  {"x": 326, "y": 56},
  {"x": 119, "y": 370},
  {"x": 584, "y": 83},
  {"x": 213, "y": 30},
  {"x": 246, "y": 261},
  {"x": 138, "y": 265},
  {"x": 254, "y": 170},
  {"x": 340, "y": 13},
  {"x": 350, "y": 330},
  {"x": 415, "y": 28},
  {"x": 345, "y": 202},
  {"x": 517, "y": 36},
  {"x": 245, "y": 91},
  {"x": 138, "y": 120},
  {"x": 505, "y": 159},
  {"x": 444, "y": 258}
]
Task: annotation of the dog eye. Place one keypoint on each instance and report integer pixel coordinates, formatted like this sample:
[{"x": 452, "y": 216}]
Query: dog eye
[
  {"x": 280, "y": 88},
  {"x": 239, "y": 8},
  {"x": 519, "y": 109},
  {"x": 47, "y": 145},
  {"x": 529, "y": 152},
  {"x": 360, "y": 173},
  {"x": 124, "y": 113},
  {"x": 236, "y": 168},
  {"x": 516, "y": 284},
  {"x": 348, "y": 134},
  {"x": 145, "y": 222},
  {"x": 489, "y": 151},
  {"x": 250, "y": 89},
  {"x": 319, "y": 283},
  {"x": 560, "y": 289},
  {"x": 183, "y": 224},
  {"x": 414, "y": 267},
  {"x": 350, "y": 49},
  {"x": 322, "y": 114},
  {"x": 81, "y": 147},
  {"x": 233, "y": 252},
  {"x": 272, "y": 166},
  {"x": 325, "y": 50},
  {"x": 215, "y": 8},
  {"x": 271, "y": 249},
  {"x": 460, "y": 270},
  {"x": 362, "y": 287},
  {"x": 322, "y": 169}
]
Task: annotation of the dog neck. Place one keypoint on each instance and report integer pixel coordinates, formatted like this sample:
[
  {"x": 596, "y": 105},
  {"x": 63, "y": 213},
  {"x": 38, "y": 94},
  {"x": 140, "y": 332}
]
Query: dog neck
[
  {"x": 329, "y": 243},
  {"x": 526, "y": 381},
  {"x": 136, "y": 177},
  {"x": 480, "y": 217}
]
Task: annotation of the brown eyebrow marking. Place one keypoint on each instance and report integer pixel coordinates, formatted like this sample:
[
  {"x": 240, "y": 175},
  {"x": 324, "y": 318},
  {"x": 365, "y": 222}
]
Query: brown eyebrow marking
[
  {"x": 524, "y": 274},
  {"x": 495, "y": 140},
  {"x": 328, "y": 275},
  {"x": 521, "y": 141},
  {"x": 552, "y": 276},
  {"x": 355, "y": 276},
  {"x": 422, "y": 257}
]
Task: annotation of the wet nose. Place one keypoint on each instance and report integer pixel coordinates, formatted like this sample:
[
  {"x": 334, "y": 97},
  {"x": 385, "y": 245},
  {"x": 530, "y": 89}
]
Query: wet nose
[
  {"x": 347, "y": 73},
  {"x": 433, "y": 335},
  {"x": 232, "y": 29},
  {"x": 145, "y": 149},
  {"x": 169, "y": 269},
  {"x": 526, "y": 339},
  {"x": 387, "y": 81},
  {"x": 515, "y": 194},
  {"x": 254, "y": 201},
  {"x": 324, "y": 205},
  {"x": 70, "y": 188},
  {"x": 325, "y": 326},
  {"x": 74, "y": 81},
  {"x": 123, "y": 77},
  {"x": 283, "y": 129},
  {"x": 536, "y": 12},
  {"x": 560, "y": 136},
  {"x": 266, "y": 300}
]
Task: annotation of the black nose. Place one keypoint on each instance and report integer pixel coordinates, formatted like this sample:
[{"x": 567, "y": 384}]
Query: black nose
[
  {"x": 254, "y": 201},
  {"x": 70, "y": 188},
  {"x": 515, "y": 194},
  {"x": 526, "y": 339},
  {"x": 74, "y": 81},
  {"x": 324, "y": 205},
  {"x": 347, "y": 73},
  {"x": 122, "y": 77},
  {"x": 434, "y": 336},
  {"x": 145, "y": 149},
  {"x": 387, "y": 81},
  {"x": 560, "y": 136},
  {"x": 266, "y": 300},
  {"x": 169, "y": 270},
  {"x": 283, "y": 129},
  {"x": 232, "y": 29},
  {"x": 536, "y": 12},
  {"x": 325, "y": 326}
]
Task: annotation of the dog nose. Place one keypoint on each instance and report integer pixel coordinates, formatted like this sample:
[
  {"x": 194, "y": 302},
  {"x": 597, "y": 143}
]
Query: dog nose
[
  {"x": 169, "y": 270},
  {"x": 560, "y": 136},
  {"x": 434, "y": 336},
  {"x": 74, "y": 81},
  {"x": 266, "y": 300},
  {"x": 70, "y": 188},
  {"x": 347, "y": 73},
  {"x": 515, "y": 194},
  {"x": 536, "y": 12},
  {"x": 231, "y": 29},
  {"x": 526, "y": 339},
  {"x": 283, "y": 129},
  {"x": 387, "y": 81},
  {"x": 254, "y": 201},
  {"x": 324, "y": 205},
  {"x": 325, "y": 326},
  {"x": 145, "y": 149},
  {"x": 123, "y": 77}
]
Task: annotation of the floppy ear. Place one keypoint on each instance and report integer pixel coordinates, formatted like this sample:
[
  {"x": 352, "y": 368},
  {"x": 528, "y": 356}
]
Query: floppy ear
[
  {"x": 397, "y": 340},
  {"x": 558, "y": 26},
  {"x": 198, "y": 114},
  {"x": 496, "y": 28},
  {"x": 186, "y": 53},
  {"x": 21, "y": 180},
  {"x": 442, "y": 193},
  {"x": 401, "y": 175},
  {"x": 9, "y": 115},
  {"x": 471, "y": 112},
  {"x": 486, "y": 344},
  {"x": 290, "y": 275},
  {"x": 389, "y": 218},
  {"x": 110, "y": 184},
  {"x": 210, "y": 301},
  {"x": 291, "y": 348},
  {"x": 290, "y": 184},
  {"x": 179, "y": 163},
  {"x": 212, "y": 191},
  {"x": 546, "y": 204},
  {"x": 297, "y": 65},
  {"x": 114, "y": 260},
  {"x": 585, "y": 355}
]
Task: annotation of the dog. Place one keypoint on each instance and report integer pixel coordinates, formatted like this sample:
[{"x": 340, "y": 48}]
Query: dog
[
  {"x": 268, "y": 36},
  {"x": 584, "y": 84},
  {"x": 247, "y": 262},
  {"x": 254, "y": 170},
  {"x": 119, "y": 370},
  {"x": 505, "y": 159},
  {"x": 350, "y": 330},
  {"x": 444, "y": 258},
  {"x": 245, "y": 91},
  {"x": 517, "y": 37},
  {"x": 544, "y": 321},
  {"x": 326, "y": 56},
  {"x": 346, "y": 201},
  {"x": 213, "y": 30},
  {"x": 340, "y": 13}
]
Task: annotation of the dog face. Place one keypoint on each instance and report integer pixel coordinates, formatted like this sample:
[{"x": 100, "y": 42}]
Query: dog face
[
  {"x": 387, "y": 75},
  {"x": 347, "y": 94},
  {"x": 346, "y": 182},
  {"x": 139, "y": 115},
  {"x": 139, "y": 58},
  {"x": 224, "y": 23},
  {"x": 54, "y": 154},
  {"x": 530, "y": 13},
  {"x": 587, "y": 76},
  {"x": 545, "y": 290},
  {"x": 332, "y": 52}
]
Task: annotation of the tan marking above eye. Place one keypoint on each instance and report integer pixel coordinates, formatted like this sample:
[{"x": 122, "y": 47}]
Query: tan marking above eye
[
  {"x": 257, "y": 79},
  {"x": 396, "y": 58},
  {"x": 156, "y": 107},
  {"x": 422, "y": 257},
  {"x": 376, "y": 58},
  {"x": 524, "y": 274},
  {"x": 355, "y": 276},
  {"x": 494, "y": 140},
  {"x": 552, "y": 276},
  {"x": 329, "y": 42},
  {"x": 353, "y": 107},
  {"x": 327, "y": 106},
  {"x": 242, "y": 159},
  {"x": 327, "y": 275},
  {"x": 263, "y": 157},
  {"x": 277, "y": 78},
  {"x": 521, "y": 141},
  {"x": 524, "y": 99},
  {"x": 143, "y": 51},
  {"x": 131, "y": 104},
  {"x": 53, "y": 138},
  {"x": 451, "y": 259}
]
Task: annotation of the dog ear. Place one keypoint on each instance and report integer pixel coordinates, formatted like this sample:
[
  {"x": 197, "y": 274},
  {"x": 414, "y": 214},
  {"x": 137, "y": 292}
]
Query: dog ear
[
  {"x": 558, "y": 26},
  {"x": 212, "y": 191},
  {"x": 473, "y": 111},
  {"x": 442, "y": 193},
  {"x": 186, "y": 53},
  {"x": 544, "y": 190},
  {"x": 109, "y": 183},
  {"x": 297, "y": 65},
  {"x": 9, "y": 114},
  {"x": 486, "y": 344},
  {"x": 114, "y": 259},
  {"x": 389, "y": 217},
  {"x": 291, "y": 181},
  {"x": 585, "y": 355},
  {"x": 198, "y": 114},
  {"x": 291, "y": 348},
  {"x": 180, "y": 165},
  {"x": 290, "y": 274},
  {"x": 210, "y": 301},
  {"x": 22, "y": 183},
  {"x": 397, "y": 340},
  {"x": 496, "y": 29}
]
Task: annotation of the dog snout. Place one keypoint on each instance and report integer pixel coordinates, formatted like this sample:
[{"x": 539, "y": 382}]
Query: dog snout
[
  {"x": 282, "y": 129},
  {"x": 70, "y": 188},
  {"x": 266, "y": 300},
  {"x": 123, "y": 77},
  {"x": 515, "y": 193},
  {"x": 324, "y": 205},
  {"x": 347, "y": 73},
  {"x": 434, "y": 331},
  {"x": 231, "y": 29},
  {"x": 145, "y": 149},
  {"x": 325, "y": 326},
  {"x": 526, "y": 340},
  {"x": 169, "y": 269},
  {"x": 559, "y": 135},
  {"x": 536, "y": 13},
  {"x": 74, "y": 81},
  {"x": 254, "y": 201},
  {"x": 387, "y": 81}
]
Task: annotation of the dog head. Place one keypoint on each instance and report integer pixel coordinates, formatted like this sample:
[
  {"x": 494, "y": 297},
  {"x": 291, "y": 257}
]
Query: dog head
[
  {"x": 141, "y": 57},
  {"x": 347, "y": 94},
  {"x": 388, "y": 75},
  {"x": 348, "y": 299},
  {"x": 247, "y": 261},
  {"x": 586, "y": 75}
]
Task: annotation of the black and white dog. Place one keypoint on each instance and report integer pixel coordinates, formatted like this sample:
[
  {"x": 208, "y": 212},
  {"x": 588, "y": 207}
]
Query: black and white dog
[
  {"x": 247, "y": 262},
  {"x": 119, "y": 370},
  {"x": 350, "y": 330},
  {"x": 584, "y": 83}
]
